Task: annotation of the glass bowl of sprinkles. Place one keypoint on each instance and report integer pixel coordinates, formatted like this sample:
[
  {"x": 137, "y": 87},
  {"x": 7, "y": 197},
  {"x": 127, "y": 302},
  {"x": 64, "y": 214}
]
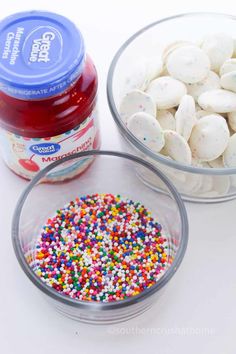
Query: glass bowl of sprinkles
[
  {"x": 102, "y": 246},
  {"x": 142, "y": 69}
]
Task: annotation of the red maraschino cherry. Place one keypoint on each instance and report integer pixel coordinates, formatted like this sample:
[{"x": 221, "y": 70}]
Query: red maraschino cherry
[{"x": 29, "y": 165}]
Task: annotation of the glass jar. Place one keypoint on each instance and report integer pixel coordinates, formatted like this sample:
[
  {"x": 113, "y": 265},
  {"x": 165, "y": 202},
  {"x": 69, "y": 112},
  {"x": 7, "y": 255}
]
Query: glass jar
[
  {"x": 34, "y": 207},
  {"x": 48, "y": 89},
  {"x": 196, "y": 184}
]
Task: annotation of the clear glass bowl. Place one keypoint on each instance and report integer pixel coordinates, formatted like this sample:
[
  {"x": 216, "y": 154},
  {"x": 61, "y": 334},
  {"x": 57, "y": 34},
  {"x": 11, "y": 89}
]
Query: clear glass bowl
[
  {"x": 194, "y": 184},
  {"x": 110, "y": 172}
]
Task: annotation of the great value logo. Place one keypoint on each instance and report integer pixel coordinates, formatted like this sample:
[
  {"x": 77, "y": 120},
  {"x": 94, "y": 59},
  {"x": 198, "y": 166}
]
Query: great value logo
[
  {"x": 45, "y": 148},
  {"x": 43, "y": 47}
]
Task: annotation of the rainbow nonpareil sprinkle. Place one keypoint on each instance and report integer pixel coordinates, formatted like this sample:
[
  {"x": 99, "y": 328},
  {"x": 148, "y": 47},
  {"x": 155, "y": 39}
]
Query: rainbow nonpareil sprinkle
[{"x": 101, "y": 247}]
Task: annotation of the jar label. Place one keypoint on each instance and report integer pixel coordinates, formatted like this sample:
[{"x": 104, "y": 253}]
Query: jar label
[{"x": 27, "y": 156}]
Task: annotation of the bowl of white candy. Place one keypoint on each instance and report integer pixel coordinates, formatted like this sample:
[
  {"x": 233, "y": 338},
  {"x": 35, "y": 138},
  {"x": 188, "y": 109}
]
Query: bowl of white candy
[{"x": 172, "y": 92}]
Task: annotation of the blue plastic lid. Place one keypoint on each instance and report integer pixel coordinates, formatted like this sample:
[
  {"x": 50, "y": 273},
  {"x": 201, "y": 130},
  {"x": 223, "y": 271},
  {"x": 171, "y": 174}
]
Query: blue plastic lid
[{"x": 41, "y": 54}]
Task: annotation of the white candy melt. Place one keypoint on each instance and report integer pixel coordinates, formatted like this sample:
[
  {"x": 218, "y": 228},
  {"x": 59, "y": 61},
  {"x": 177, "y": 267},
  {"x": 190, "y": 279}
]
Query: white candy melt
[
  {"x": 221, "y": 184},
  {"x": 219, "y": 47},
  {"x": 188, "y": 64},
  {"x": 166, "y": 120},
  {"x": 229, "y": 155},
  {"x": 201, "y": 113},
  {"x": 232, "y": 120},
  {"x": 228, "y": 66},
  {"x": 185, "y": 117},
  {"x": 142, "y": 73},
  {"x": 136, "y": 101},
  {"x": 217, "y": 163},
  {"x": 193, "y": 182},
  {"x": 176, "y": 147},
  {"x": 219, "y": 101},
  {"x": 171, "y": 47},
  {"x": 206, "y": 185},
  {"x": 209, "y": 138},
  {"x": 138, "y": 78},
  {"x": 166, "y": 92},
  {"x": 196, "y": 162},
  {"x": 197, "y": 107},
  {"x": 211, "y": 82},
  {"x": 234, "y": 53},
  {"x": 147, "y": 129},
  {"x": 228, "y": 81}
]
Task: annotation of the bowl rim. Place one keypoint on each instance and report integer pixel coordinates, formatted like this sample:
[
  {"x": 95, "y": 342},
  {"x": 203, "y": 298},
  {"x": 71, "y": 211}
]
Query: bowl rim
[
  {"x": 90, "y": 305},
  {"x": 121, "y": 126}
]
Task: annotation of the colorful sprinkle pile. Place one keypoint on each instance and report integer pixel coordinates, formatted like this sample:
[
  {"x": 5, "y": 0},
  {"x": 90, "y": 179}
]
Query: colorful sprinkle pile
[{"x": 101, "y": 247}]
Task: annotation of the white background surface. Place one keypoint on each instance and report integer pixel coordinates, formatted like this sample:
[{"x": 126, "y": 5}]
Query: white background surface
[{"x": 197, "y": 313}]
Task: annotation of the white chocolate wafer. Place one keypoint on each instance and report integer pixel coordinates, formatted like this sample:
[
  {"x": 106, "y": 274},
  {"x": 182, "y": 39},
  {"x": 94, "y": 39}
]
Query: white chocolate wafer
[
  {"x": 142, "y": 73},
  {"x": 164, "y": 72},
  {"x": 201, "y": 113},
  {"x": 176, "y": 147},
  {"x": 228, "y": 81},
  {"x": 172, "y": 111},
  {"x": 206, "y": 180},
  {"x": 209, "y": 138},
  {"x": 166, "y": 120},
  {"x": 206, "y": 185},
  {"x": 171, "y": 47},
  {"x": 221, "y": 184},
  {"x": 196, "y": 162},
  {"x": 232, "y": 120},
  {"x": 193, "y": 182},
  {"x": 218, "y": 101},
  {"x": 147, "y": 129},
  {"x": 229, "y": 155},
  {"x": 211, "y": 82},
  {"x": 185, "y": 116},
  {"x": 137, "y": 78},
  {"x": 173, "y": 174},
  {"x": 166, "y": 92},
  {"x": 136, "y": 101},
  {"x": 234, "y": 53},
  {"x": 228, "y": 66},
  {"x": 233, "y": 181},
  {"x": 217, "y": 163},
  {"x": 188, "y": 64},
  {"x": 197, "y": 107},
  {"x": 219, "y": 47}
]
